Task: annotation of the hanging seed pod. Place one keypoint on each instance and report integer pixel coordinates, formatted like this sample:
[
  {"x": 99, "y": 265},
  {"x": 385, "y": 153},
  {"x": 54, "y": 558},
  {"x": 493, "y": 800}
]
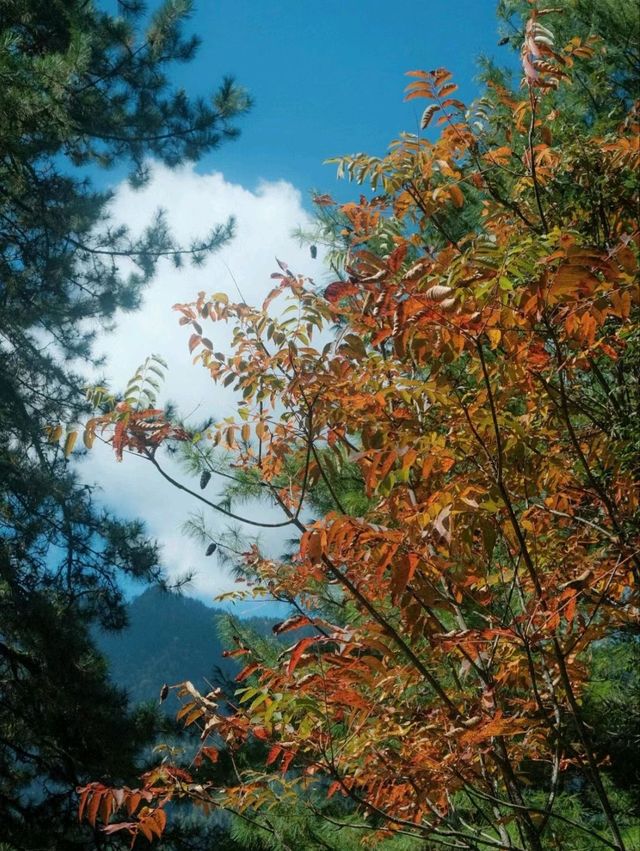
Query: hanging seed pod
[
  {"x": 204, "y": 479},
  {"x": 211, "y": 549}
]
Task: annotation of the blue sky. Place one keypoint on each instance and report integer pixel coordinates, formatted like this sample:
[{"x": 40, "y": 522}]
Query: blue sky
[
  {"x": 328, "y": 76},
  {"x": 327, "y": 79}
]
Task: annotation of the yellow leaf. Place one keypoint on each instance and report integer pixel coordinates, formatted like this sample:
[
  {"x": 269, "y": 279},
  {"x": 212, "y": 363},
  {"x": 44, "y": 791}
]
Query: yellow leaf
[
  {"x": 88, "y": 437},
  {"x": 69, "y": 443},
  {"x": 494, "y": 335}
]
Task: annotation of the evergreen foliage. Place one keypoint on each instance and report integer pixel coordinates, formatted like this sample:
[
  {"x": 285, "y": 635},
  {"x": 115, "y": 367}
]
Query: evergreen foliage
[{"x": 80, "y": 89}]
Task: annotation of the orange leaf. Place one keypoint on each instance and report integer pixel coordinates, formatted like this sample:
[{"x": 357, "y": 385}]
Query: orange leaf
[
  {"x": 424, "y": 91},
  {"x": 160, "y": 818},
  {"x": 314, "y": 545},
  {"x": 570, "y": 610},
  {"x": 427, "y": 115},
  {"x": 106, "y": 808},
  {"x": 133, "y": 802},
  {"x": 449, "y": 89},
  {"x": 386, "y": 560},
  {"x": 456, "y": 194},
  {"x": 212, "y": 754},
  {"x": 94, "y": 806},
  {"x": 146, "y": 829},
  {"x": 402, "y": 574},
  {"x": 84, "y": 797}
]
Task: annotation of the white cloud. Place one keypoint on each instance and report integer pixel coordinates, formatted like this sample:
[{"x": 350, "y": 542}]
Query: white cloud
[{"x": 194, "y": 203}]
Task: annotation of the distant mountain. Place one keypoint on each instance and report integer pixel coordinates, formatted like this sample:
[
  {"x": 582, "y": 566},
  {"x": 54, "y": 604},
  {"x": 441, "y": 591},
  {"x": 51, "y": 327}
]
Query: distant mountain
[{"x": 170, "y": 638}]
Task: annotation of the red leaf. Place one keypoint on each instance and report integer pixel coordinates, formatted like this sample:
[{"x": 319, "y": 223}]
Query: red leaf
[
  {"x": 194, "y": 339},
  {"x": 291, "y": 623},
  {"x": 286, "y": 761},
  {"x": 247, "y": 671},
  {"x": 273, "y": 754},
  {"x": 340, "y": 289},
  {"x": 323, "y": 200},
  {"x": 396, "y": 257},
  {"x": 297, "y": 652}
]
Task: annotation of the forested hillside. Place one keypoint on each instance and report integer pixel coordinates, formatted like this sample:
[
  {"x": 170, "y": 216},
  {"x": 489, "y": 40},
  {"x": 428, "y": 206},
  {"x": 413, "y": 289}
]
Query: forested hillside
[{"x": 170, "y": 638}]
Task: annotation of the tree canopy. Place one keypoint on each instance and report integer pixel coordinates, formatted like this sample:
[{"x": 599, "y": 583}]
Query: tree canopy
[{"x": 479, "y": 392}]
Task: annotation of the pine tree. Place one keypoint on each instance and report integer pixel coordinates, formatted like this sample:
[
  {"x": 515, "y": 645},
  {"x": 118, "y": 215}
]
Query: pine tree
[{"x": 79, "y": 89}]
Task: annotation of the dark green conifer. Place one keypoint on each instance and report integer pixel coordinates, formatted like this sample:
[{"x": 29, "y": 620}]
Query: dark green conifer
[{"x": 80, "y": 89}]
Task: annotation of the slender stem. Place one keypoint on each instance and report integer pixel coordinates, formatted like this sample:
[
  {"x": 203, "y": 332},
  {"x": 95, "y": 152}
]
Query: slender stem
[
  {"x": 532, "y": 157},
  {"x": 196, "y": 495}
]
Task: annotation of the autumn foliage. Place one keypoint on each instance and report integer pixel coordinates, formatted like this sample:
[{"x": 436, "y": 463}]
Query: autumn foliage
[{"x": 481, "y": 385}]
